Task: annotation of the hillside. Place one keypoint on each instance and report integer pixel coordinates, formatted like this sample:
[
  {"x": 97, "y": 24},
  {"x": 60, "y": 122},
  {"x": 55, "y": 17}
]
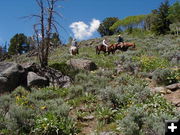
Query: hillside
[{"x": 126, "y": 95}]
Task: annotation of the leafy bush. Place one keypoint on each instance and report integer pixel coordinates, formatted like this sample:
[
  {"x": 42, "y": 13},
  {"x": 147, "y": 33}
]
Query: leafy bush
[
  {"x": 20, "y": 119},
  {"x": 165, "y": 76},
  {"x": 91, "y": 82},
  {"x": 52, "y": 124},
  {"x": 151, "y": 63},
  {"x": 75, "y": 91},
  {"x": 105, "y": 114},
  {"x": 65, "y": 69},
  {"x": 125, "y": 96},
  {"x": 147, "y": 117}
]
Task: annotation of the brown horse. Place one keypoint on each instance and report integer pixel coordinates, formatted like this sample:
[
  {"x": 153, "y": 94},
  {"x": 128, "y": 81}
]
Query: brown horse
[
  {"x": 125, "y": 45},
  {"x": 74, "y": 50},
  {"x": 111, "y": 49}
]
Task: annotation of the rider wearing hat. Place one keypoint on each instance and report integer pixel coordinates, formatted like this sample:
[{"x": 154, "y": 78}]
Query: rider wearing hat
[
  {"x": 74, "y": 42},
  {"x": 120, "y": 40}
]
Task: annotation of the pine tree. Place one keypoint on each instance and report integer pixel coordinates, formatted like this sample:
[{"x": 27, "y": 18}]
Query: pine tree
[
  {"x": 161, "y": 23},
  {"x": 104, "y": 28},
  {"x": 55, "y": 39},
  {"x": 18, "y": 44}
]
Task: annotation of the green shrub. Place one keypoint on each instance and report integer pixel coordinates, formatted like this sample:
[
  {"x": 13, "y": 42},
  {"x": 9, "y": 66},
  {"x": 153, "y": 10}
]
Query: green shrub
[
  {"x": 65, "y": 69},
  {"x": 91, "y": 82},
  {"x": 75, "y": 91},
  {"x": 5, "y": 102},
  {"x": 165, "y": 76},
  {"x": 146, "y": 117},
  {"x": 151, "y": 63},
  {"x": 127, "y": 90},
  {"x": 51, "y": 124},
  {"x": 105, "y": 114},
  {"x": 45, "y": 93},
  {"x": 133, "y": 123},
  {"x": 20, "y": 119}
]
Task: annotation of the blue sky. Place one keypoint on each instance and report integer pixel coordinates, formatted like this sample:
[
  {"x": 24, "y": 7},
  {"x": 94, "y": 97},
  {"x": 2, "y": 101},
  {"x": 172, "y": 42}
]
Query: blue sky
[{"x": 11, "y": 12}]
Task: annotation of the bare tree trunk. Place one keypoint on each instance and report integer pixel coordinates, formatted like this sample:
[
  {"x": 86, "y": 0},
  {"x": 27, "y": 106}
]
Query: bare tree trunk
[{"x": 46, "y": 26}]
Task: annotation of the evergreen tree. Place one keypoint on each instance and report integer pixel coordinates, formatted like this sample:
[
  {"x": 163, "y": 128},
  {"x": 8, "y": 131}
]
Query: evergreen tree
[
  {"x": 104, "y": 28},
  {"x": 55, "y": 39},
  {"x": 18, "y": 44},
  {"x": 161, "y": 23},
  {"x": 174, "y": 16}
]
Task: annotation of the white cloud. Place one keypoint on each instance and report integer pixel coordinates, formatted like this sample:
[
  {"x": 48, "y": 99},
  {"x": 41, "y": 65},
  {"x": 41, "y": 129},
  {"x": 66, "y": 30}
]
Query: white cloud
[{"x": 83, "y": 31}]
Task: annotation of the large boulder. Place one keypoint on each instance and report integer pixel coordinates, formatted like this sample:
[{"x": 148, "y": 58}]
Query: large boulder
[
  {"x": 82, "y": 64},
  {"x": 55, "y": 77},
  {"x": 11, "y": 76},
  {"x": 34, "y": 80}
]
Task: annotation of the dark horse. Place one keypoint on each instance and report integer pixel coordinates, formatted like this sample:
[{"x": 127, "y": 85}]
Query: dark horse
[
  {"x": 124, "y": 46},
  {"x": 111, "y": 49}
]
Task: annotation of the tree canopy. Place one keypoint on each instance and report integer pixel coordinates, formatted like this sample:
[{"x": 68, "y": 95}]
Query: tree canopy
[
  {"x": 161, "y": 22},
  {"x": 18, "y": 44},
  {"x": 129, "y": 22},
  {"x": 104, "y": 28}
]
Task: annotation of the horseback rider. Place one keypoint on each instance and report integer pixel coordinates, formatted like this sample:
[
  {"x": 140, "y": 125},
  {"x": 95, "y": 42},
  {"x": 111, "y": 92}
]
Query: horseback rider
[
  {"x": 105, "y": 44},
  {"x": 74, "y": 43},
  {"x": 120, "y": 40}
]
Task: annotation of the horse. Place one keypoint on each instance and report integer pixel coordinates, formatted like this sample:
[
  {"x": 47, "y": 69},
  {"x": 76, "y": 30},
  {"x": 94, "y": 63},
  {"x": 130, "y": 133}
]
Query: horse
[
  {"x": 125, "y": 45},
  {"x": 111, "y": 49},
  {"x": 74, "y": 50}
]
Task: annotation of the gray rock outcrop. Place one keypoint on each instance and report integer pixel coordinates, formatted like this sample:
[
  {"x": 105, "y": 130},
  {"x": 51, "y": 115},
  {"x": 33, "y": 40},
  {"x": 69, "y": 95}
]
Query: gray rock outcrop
[
  {"x": 12, "y": 75},
  {"x": 82, "y": 64},
  {"x": 55, "y": 77},
  {"x": 34, "y": 80}
]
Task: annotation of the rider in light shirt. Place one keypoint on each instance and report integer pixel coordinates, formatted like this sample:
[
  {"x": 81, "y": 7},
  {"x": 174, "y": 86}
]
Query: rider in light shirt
[{"x": 105, "y": 43}]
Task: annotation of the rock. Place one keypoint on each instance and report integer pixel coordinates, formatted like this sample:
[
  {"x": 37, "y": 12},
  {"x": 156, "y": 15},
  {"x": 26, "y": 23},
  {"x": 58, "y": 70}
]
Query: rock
[
  {"x": 55, "y": 77},
  {"x": 174, "y": 98},
  {"x": 173, "y": 86},
  {"x": 82, "y": 64},
  {"x": 108, "y": 133},
  {"x": 12, "y": 75},
  {"x": 87, "y": 118},
  {"x": 119, "y": 69},
  {"x": 34, "y": 80},
  {"x": 161, "y": 90}
]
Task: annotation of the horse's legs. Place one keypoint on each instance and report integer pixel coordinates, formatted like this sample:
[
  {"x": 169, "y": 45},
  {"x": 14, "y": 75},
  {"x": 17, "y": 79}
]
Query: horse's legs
[
  {"x": 70, "y": 51},
  {"x": 77, "y": 51},
  {"x": 98, "y": 52}
]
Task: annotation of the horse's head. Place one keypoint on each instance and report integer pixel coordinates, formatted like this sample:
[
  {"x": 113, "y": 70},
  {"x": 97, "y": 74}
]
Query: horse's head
[
  {"x": 128, "y": 44},
  {"x": 133, "y": 45}
]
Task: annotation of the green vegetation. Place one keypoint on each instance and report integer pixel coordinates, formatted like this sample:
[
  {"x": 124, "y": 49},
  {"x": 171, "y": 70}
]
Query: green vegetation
[
  {"x": 104, "y": 28},
  {"x": 162, "y": 20},
  {"x": 18, "y": 44}
]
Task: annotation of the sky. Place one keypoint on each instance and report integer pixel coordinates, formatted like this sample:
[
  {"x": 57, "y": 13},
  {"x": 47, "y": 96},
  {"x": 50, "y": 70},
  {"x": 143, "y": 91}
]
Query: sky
[{"x": 81, "y": 18}]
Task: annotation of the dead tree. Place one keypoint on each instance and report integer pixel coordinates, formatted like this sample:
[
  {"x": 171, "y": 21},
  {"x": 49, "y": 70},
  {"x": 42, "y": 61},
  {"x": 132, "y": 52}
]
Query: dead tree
[{"x": 45, "y": 27}]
